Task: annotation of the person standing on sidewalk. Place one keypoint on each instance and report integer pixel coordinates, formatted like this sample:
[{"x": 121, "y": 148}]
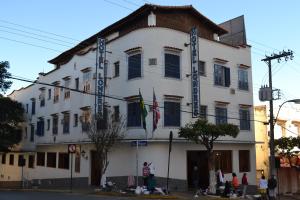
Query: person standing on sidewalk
[
  {"x": 244, "y": 184},
  {"x": 146, "y": 173},
  {"x": 272, "y": 184}
]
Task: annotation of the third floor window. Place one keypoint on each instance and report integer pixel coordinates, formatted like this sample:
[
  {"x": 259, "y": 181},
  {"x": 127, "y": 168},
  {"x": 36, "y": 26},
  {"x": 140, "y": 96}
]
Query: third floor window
[
  {"x": 172, "y": 65},
  {"x": 134, "y": 65},
  {"x": 222, "y": 75},
  {"x": 243, "y": 79}
]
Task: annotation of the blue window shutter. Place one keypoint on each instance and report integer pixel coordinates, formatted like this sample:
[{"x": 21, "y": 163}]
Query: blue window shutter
[{"x": 227, "y": 76}]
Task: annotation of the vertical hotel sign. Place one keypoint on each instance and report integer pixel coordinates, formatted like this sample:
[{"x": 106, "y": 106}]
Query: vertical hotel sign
[
  {"x": 100, "y": 77},
  {"x": 195, "y": 74}
]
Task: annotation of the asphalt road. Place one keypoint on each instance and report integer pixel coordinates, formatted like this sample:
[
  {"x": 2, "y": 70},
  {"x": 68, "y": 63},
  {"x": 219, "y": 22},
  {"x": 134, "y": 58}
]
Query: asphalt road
[{"x": 30, "y": 195}]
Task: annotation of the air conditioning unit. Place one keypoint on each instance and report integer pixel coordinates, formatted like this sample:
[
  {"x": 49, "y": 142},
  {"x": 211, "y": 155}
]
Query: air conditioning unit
[{"x": 232, "y": 91}]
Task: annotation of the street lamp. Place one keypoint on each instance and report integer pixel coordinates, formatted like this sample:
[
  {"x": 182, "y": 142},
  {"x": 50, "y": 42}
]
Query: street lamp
[
  {"x": 296, "y": 101},
  {"x": 272, "y": 124}
]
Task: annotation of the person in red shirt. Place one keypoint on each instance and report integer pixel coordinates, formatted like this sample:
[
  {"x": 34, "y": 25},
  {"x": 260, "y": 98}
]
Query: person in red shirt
[
  {"x": 146, "y": 172},
  {"x": 244, "y": 184},
  {"x": 235, "y": 182}
]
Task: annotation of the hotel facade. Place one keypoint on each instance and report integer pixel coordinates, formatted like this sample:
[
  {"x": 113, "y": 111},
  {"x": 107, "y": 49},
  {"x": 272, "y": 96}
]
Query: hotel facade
[{"x": 150, "y": 49}]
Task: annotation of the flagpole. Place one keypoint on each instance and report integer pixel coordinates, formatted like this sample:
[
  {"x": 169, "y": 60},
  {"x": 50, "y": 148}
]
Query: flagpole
[{"x": 152, "y": 116}]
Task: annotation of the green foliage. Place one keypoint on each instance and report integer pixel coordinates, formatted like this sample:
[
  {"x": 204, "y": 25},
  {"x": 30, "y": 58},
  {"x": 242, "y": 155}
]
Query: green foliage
[
  {"x": 11, "y": 115},
  {"x": 4, "y": 83},
  {"x": 206, "y": 133},
  {"x": 286, "y": 145}
]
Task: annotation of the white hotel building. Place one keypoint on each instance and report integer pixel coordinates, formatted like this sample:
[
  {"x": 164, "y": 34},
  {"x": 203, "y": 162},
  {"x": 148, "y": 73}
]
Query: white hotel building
[{"x": 149, "y": 49}]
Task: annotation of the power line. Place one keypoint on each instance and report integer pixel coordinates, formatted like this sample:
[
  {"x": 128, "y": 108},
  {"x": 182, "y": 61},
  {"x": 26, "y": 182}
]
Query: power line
[
  {"x": 39, "y": 30},
  {"x": 107, "y": 96}
]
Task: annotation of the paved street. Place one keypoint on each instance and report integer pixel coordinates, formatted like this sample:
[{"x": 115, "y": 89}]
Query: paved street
[{"x": 29, "y": 195}]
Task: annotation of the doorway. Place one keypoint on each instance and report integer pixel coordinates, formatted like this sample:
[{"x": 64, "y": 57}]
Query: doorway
[
  {"x": 95, "y": 172},
  {"x": 199, "y": 159}
]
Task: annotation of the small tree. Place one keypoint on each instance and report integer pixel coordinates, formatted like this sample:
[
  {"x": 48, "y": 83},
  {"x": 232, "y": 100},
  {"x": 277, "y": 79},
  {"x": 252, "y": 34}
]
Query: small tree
[
  {"x": 11, "y": 115},
  {"x": 104, "y": 133},
  {"x": 286, "y": 147},
  {"x": 202, "y": 132},
  {"x": 4, "y": 74}
]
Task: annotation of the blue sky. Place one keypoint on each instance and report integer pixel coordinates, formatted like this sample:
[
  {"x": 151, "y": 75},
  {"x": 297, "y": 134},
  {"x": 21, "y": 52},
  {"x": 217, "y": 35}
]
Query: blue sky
[{"x": 271, "y": 26}]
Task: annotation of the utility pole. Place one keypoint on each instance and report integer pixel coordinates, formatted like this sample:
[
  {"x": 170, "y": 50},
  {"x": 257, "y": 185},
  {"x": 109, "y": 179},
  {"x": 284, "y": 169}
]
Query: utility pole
[{"x": 268, "y": 59}]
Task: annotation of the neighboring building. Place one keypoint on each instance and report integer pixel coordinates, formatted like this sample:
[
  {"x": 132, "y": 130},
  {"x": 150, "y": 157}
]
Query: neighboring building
[
  {"x": 287, "y": 125},
  {"x": 149, "y": 49}
]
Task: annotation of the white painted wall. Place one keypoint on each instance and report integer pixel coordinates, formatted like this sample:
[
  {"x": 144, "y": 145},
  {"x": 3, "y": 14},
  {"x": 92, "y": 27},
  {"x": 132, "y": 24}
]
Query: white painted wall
[{"x": 152, "y": 40}]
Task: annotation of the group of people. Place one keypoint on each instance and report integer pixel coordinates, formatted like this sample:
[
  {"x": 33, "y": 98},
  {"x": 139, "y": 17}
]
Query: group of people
[
  {"x": 267, "y": 187},
  {"x": 148, "y": 176},
  {"x": 233, "y": 186}
]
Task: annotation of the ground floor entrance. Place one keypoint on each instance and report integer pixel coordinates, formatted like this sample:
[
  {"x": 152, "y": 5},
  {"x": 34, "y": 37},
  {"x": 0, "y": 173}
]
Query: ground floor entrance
[
  {"x": 95, "y": 172},
  {"x": 199, "y": 159}
]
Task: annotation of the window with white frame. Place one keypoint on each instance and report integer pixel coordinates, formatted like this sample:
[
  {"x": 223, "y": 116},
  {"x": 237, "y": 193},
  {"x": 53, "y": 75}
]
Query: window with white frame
[
  {"x": 201, "y": 68},
  {"x": 67, "y": 85},
  {"x": 40, "y": 128},
  {"x": 221, "y": 75},
  {"x": 42, "y": 97},
  {"x": 117, "y": 69},
  {"x": 133, "y": 114},
  {"x": 85, "y": 119},
  {"x": 87, "y": 78},
  {"x": 243, "y": 79},
  {"x": 221, "y": 114},
  {"x": 55, "y": 124},
  {"x": 56, "y": 92},
  {"x": 134, "y": 64},
  {"x": 172, "y": 115},
  {"x": 66, "y": 122},
  {"x": 244, "y": 118},
  {"x": 172, "y": 64}
]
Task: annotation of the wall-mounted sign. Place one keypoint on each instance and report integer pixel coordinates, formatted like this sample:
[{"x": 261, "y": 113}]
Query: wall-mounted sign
[
  {"x": 101, "y": 48},
  {"x": 194, "y": 70}
]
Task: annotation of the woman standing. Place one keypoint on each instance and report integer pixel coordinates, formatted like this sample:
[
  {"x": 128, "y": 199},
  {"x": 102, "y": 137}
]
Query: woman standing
[{"x": 244, "y": 184}]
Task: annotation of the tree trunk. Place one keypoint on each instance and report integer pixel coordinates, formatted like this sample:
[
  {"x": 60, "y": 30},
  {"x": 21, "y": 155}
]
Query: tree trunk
[{"x": 212, "y": 173}]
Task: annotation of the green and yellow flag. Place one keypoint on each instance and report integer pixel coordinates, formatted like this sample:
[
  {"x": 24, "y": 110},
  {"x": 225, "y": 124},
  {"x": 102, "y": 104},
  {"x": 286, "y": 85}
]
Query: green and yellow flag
[{"x": 144, "y": 112}]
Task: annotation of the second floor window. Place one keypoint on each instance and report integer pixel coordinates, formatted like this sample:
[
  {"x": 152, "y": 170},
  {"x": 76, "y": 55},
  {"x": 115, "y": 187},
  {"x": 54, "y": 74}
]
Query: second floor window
[
  {"x": 42, "y": 97},
  {"x": 133, "y": 114},
  {"x": 40, "y": 128},
  {"x": 203, "y": 112},
  {"x": 201, "y": 68},
  {"x": 243, "y": 79},
  {"x": 172, "y": 65},
  {"x": 49, "y": 94},
  {"x": 48, "y": 124},
  {"x": 134, "y": 65},
  {"x": 66, "y": 123},
  {"x": 56, "y": 94},
  {"x": 221, "y": 115},
  {"x": 117, "y": 69},
  {"x": 54, "y": 124},
  {"x": 33, "y": 106},
  {"x": 85, "y": 119},
  {"x": 67, "y": 91},
  {"x": 77, "y": 83},
  {"x": 244, "y": 119},
  {"x": 87, "y": 81},
  {"x": 222, "y": 75},
  {"x": 75, "y": 120},
  {"x": 31, "y": 132},
  {"x": 171, "y": 113}
]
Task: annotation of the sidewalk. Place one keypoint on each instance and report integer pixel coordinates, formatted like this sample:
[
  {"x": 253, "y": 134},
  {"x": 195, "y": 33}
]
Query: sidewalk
[{"x": 188, "y": 195}]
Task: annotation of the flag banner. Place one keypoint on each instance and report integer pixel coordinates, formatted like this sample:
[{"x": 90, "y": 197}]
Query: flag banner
[
  {"x": 144, "y": 112},
  {"x": 156, "y": 113}
]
